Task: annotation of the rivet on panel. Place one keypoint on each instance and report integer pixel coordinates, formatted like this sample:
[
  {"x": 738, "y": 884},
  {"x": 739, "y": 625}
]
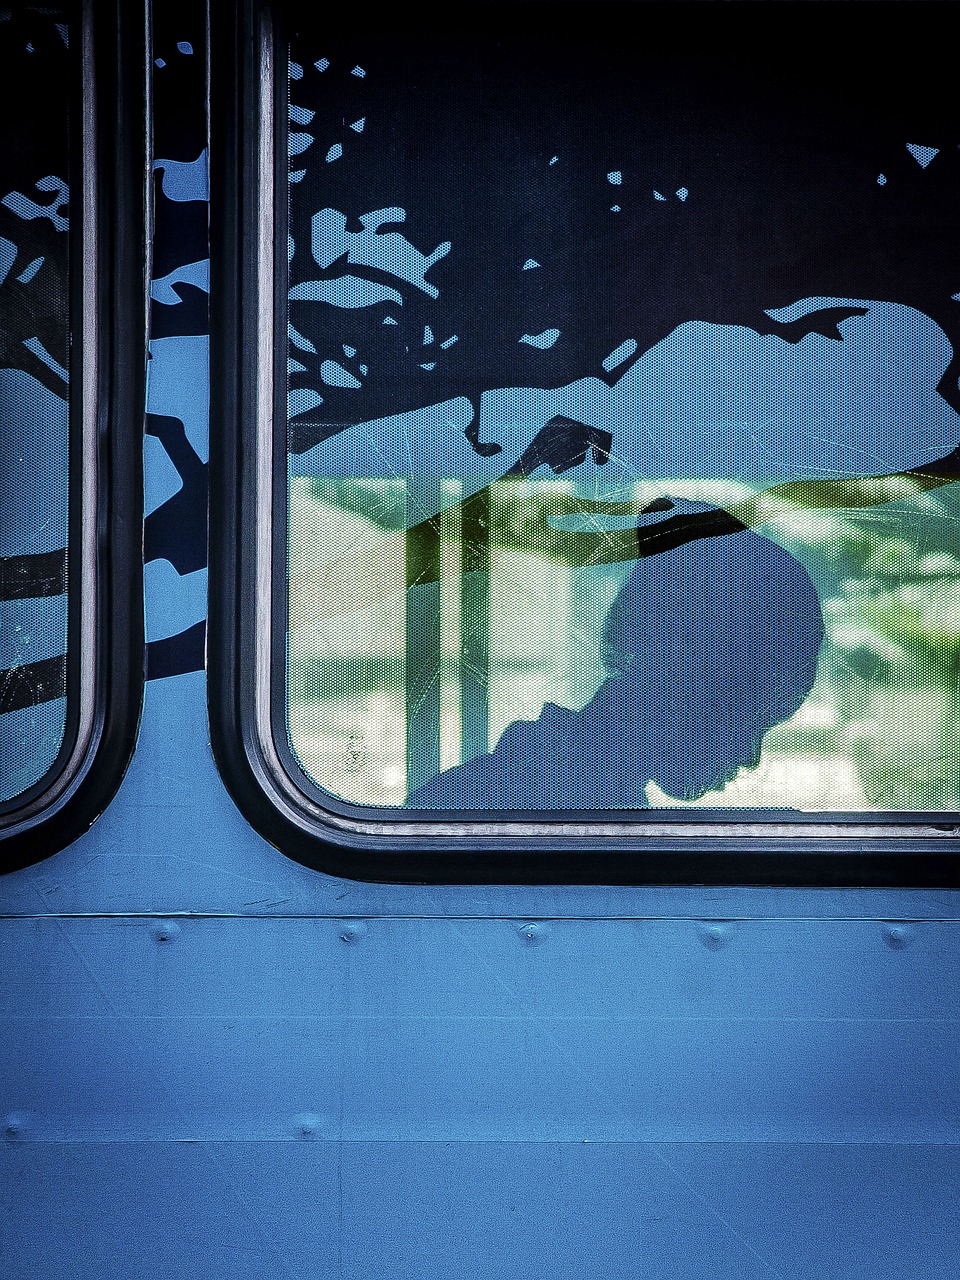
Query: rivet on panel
[
  {"x": 533, "y": 931},
  {"x": 165, "y": 931},
  {"x": 306, "y": 1124},
  {"x": 13, "y": 1124},
  {"x": 715, "y": 934},
  {"x": 352, "y": 930},
  {"x": 897, "y": 936}
]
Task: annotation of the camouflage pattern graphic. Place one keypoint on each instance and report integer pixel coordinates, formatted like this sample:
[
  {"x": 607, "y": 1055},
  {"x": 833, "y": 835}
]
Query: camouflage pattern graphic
[{"x": 176, "y": 444}]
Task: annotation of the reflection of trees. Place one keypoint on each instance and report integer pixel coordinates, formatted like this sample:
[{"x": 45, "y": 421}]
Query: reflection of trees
[
  {"x": 894, "y": 664},
  {"x": 530, "y": 520},
  {"x": 536, "y": 518}
]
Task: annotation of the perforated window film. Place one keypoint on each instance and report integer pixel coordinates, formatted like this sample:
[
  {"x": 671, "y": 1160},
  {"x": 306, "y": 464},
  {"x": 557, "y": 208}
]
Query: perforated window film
[
  {"x": 622, "y": 425},
  {"x": 584, "y": 441},
  {"x": 37, "y": 77},
  {"x": 74, "y": 224}
]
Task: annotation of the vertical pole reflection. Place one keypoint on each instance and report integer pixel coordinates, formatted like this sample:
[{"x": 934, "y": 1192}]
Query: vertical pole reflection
[
  {"x": 474, "y": 625},
  {"x": 422, "y": 655}
]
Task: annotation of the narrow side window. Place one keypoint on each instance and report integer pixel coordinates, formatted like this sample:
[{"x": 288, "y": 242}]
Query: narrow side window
[
  {"x": 69, "y": 396},
  {"x": 35, "y": 76}
]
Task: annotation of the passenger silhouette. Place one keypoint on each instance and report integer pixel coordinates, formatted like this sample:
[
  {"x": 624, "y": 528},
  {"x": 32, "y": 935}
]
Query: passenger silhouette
[{"x": 708, "y": 645}]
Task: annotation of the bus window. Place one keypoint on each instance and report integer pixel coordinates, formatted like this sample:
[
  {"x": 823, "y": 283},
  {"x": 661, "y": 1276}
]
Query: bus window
[
  {"x": 35, "y": 74},
  {"x": 71, "y": 379},
  {"x": 614, "y": 427}
]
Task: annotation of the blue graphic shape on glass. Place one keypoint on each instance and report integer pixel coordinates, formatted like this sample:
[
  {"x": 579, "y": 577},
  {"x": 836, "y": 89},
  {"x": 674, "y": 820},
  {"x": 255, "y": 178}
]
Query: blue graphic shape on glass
[
  {"x": 30, "y": 270},
  {"x": 346, "y": 292},
  {"x": 40, "y": 351},
  {"x": 24, "y": 207},
  {"x": 8, "y": 256},
  {"x": 176, "y": 601},
  {"x": 541, "y": 340},
  {"x": 709, "y": 401},
  {"x": 922, "y": 155},
  {"x": 623, "y": 352},
  {"x": 185, "y": 180},
  {"x": 299, "y": 341},
  {"x": 34, "y": 466},
  {"x": 388, "y": 251},
  {"x": 334, "y": 375},
  {"x": 161, "y": 479},
  {"x": 178, "y": 385},
  {"x": 302, "y": 400},
  {"x": 195, "y": 273}
]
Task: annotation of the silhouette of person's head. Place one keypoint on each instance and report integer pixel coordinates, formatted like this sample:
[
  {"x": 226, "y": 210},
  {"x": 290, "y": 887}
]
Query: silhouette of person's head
[{"x": 709, "y": 646}]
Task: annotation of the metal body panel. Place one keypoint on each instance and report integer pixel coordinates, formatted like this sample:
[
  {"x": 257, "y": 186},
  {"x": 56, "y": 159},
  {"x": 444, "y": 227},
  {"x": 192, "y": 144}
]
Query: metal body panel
[
  {"x": 216, "y": 1061},
  {"x": 426, "y": 1211},
  {"x": 406, "y": 1030}
]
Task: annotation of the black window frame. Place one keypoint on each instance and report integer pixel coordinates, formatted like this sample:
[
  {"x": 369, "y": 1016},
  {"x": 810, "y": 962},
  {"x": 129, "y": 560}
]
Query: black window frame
[
  {"x": 110, "y": 232},
  {"x": 248, "y": 609}
]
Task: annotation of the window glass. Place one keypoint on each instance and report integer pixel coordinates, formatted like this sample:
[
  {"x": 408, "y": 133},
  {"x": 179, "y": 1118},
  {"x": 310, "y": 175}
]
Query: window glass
[
  {"x": 35, "y": 80},
  {"x": 622, "y": 424}
]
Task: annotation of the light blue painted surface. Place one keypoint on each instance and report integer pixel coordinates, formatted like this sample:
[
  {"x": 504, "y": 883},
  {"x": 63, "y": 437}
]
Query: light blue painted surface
[
  {"x": 429, "y": 1211},
  {"x": 323, "y": 1078}
]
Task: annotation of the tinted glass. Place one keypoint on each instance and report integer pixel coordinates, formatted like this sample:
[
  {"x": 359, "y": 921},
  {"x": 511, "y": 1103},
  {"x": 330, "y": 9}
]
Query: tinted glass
[
  {"x": 35, "y": 80},
  {"x": 622, "y": 420}
]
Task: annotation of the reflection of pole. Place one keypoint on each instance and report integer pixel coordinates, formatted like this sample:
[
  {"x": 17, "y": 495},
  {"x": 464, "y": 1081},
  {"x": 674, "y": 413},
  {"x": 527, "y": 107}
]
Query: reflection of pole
[
  {"x": 474, "y": 625},
  {"x": 422, "y": 667}
]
